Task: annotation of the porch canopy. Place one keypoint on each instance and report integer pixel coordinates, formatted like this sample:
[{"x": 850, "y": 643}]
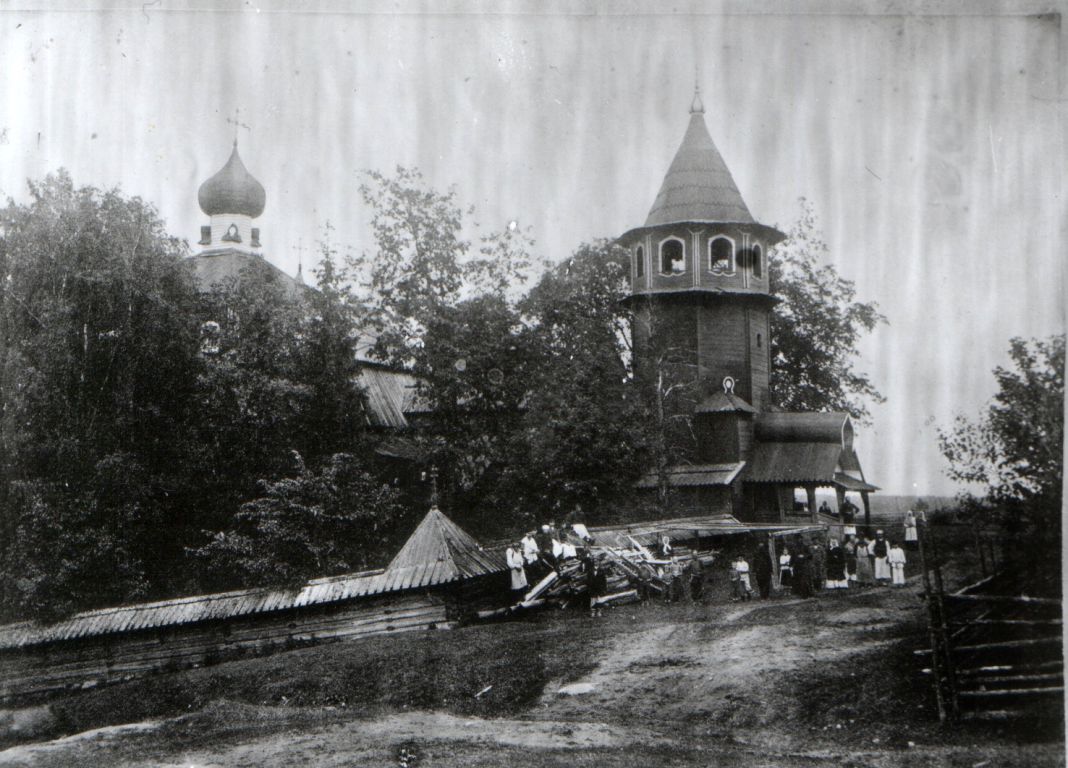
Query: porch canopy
[
  {"x": 808, "y": 450},
  {"x": 645, "y": 532}
]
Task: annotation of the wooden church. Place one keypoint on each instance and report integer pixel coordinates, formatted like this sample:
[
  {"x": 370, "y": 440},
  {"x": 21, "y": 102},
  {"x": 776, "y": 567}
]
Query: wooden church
[
  {"x": 700, "y": 296},
  {"x": 701, "y": 300},
  {"x": 230, "y": 248}
]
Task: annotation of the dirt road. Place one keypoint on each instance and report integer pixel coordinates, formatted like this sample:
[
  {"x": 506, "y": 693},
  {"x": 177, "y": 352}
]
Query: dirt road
[{"x": 784, "y": 683}]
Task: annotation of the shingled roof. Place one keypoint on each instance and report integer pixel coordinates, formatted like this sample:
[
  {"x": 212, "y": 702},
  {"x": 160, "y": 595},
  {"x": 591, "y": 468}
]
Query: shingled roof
[
  {"x": 786, "y": 427},
  {"x": 437, "y": 552},
  {"x": 694, "y": 475},
  {"x": 724, "y": 402},
  {"x": 698, "y": 185},
  {"x": 392, "y": 396},
  {"x": 218, "y": 268}
]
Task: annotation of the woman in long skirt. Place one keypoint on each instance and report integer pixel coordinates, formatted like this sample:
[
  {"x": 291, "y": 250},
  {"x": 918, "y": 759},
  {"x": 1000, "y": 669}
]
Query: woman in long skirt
[
  {"x": 911, "y": 538},
  {"x": 865, "y": 574},
  {"x": 785, "y": 570},
  {"x": 896, "y": 559},
  {"x": 836, "y": 575},
  {"x": 514, "y": 559},
  {"x": 850, "y": 549}
]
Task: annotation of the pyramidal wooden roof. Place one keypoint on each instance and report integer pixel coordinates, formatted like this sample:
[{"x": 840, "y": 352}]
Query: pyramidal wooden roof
[
  {"x": 698, "y": 186},
  {"x": 724, "y": 402},
  {"x": 438, "y": 552}
]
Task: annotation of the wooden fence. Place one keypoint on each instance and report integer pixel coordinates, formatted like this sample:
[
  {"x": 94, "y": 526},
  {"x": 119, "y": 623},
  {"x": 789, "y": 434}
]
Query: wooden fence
[
  {"x": 994, "y": 648},
  {"x": 100, "y": 660}
]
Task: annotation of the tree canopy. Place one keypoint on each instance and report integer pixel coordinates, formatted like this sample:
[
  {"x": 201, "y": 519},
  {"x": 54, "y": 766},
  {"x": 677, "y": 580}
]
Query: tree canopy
[
  {"x": 98, "y": 381},
  {"x": 529, "y": 392},
  {"x": 1015, "y": 449},
  {"x": 816, "y": 327},
  {"x": 157, "y": 438},
  {"x": 140, "y": 414}
]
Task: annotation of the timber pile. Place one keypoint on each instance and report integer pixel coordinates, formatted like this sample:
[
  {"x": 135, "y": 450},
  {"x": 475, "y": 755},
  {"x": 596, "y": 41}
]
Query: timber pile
[{"x": 632, "y": 573}]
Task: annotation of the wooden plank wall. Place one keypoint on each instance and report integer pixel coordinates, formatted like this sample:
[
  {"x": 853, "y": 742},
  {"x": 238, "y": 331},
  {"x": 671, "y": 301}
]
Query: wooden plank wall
[{"x": 98, "y": 661}]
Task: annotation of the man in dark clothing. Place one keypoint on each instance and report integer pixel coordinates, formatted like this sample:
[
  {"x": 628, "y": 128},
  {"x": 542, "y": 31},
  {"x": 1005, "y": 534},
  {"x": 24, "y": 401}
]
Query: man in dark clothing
[
  {"x": 596, "y": 583},
  {"x": 763, "y": 569},
  {"x": 801, "y": 564},
  {"x": 544, "y": 539},
  {"x": 817, "y": 565},
  {"x": 697, "y": 577}
]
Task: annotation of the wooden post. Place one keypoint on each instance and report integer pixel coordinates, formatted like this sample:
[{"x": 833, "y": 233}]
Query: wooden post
[
  {"x": 813, "y": 512},
  {"x": 867, "y": 513},
  {"x": 774, "y": 561},
  {"x": 947, "y": 649},
  {"x": 932, "y": 635},
  {"x": 979, "y": 549}
]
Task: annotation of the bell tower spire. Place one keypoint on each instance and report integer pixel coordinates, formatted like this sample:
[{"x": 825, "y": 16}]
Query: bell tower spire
[
  {"x": 697, "y": 107},
  {"x": 699, "y": 281}
]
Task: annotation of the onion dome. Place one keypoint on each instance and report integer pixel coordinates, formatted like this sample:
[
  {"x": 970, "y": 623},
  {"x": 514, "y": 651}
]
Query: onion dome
[{"x": 232, "y": 190}]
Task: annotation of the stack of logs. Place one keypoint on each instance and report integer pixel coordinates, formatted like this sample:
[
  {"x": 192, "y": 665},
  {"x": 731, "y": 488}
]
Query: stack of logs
[{"x": 632, "y": 573}]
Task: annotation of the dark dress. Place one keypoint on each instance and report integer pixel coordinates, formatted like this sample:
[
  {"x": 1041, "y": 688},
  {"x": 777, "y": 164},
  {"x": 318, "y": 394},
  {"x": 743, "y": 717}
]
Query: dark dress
[
  {"x": 817, "y": 567},
  {"x": 802, "y": 574},
  {"x": 836, "y": 565},
  {"x": 596, "y": 581},
  {"x": 697, "y": 579},
  {"x": 763, "y": 569},
  {"x": 851, "y": 559}
]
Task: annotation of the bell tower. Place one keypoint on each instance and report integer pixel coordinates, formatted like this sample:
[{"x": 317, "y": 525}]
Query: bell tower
[{"x": 699, "y": 282}]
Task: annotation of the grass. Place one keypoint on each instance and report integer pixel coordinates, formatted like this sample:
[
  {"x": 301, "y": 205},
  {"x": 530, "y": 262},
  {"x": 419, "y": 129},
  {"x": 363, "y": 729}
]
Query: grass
[{"x": 432, "y": 671}]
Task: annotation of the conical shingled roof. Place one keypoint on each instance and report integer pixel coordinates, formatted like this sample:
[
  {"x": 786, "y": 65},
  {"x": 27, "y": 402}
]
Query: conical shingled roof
[
  {"x": 698, "y": 186},
  {"x": 438, "y": 552},
  {"x": 724, "y": 402},
  {"x": 232, "y": 190}
]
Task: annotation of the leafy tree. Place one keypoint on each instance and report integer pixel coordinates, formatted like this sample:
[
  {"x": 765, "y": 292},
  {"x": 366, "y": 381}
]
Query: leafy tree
[
  {"x": 98, "y": 373},
  {"x": 280, "y": 376},
  {"x": 335, "y": 519},
  {"x": 582, "y": 432},
  {"x": 445, "y": 309},
  {"x": 138, "y": 412},
  {"x": 668, "y": 376},
  {"x": 474, "y": 373},
  {"x": 815, "y": 328},
  {"x": 327, "y": 362},
  {"x": 416, "y": 269},
  {"x": 422, "y": 263},
  {"x": 1015, "y": 449}
]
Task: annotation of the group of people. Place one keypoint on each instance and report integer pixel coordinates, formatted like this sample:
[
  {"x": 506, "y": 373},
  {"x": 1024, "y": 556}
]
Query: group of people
[
  {"x": 538, "y": 553},
  {"x": 846, "y": 513},
  {"x": 806, "y": 569}
]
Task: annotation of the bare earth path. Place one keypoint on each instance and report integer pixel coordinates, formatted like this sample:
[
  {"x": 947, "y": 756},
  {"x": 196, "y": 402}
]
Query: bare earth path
[{"x": 673, "y": 685}]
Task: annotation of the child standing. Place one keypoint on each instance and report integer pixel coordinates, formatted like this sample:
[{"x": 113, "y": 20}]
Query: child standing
[
  {"x": 896, "y": 559},
  {"x": 740, "y": 579}
]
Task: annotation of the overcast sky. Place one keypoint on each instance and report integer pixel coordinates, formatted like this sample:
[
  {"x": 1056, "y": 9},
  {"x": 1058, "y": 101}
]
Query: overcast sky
[{"x": 931, "y": 147}]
